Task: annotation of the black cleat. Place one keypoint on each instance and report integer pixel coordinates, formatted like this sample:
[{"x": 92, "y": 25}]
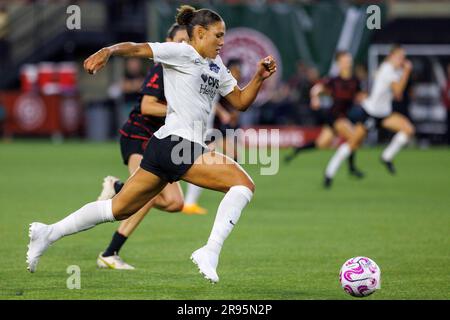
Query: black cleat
[
  {"x": 389, "y": 166},
  {"x": 356, "y": 173},
  {"x": 292, "y": 156},
  {"x": 289, "y": 158},
  {"x": 327, "y": 182}
]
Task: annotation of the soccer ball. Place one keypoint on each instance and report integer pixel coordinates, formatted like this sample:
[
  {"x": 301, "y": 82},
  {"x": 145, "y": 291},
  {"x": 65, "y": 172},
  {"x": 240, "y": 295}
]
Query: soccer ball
[{"x": 360, "y": 277}]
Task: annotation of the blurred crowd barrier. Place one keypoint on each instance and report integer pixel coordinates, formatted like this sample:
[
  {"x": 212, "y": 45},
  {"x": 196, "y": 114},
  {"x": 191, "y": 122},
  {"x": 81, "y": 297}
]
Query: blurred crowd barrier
[{"x": 57, "y": 99}]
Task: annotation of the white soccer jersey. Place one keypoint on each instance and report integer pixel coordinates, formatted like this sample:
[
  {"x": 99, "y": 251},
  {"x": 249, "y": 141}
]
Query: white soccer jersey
[
  {"x": 191, "y": 84},
  {"x": 379, "y": 102}
]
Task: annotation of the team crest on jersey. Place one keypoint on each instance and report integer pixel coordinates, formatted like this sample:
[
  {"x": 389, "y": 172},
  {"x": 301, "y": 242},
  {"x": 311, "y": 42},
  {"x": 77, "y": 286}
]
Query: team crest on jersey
[{"x": 214, "y": 67}]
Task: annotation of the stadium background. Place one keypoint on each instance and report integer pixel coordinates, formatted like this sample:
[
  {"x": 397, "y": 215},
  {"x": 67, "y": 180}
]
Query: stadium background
[{"x": 59, "y": 126}]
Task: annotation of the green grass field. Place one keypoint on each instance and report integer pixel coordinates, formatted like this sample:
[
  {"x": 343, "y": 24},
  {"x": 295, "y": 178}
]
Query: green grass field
[{"x": 289, "y": 244}]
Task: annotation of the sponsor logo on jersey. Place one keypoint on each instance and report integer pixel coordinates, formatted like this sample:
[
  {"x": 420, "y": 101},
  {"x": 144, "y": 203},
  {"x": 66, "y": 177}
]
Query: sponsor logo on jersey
[{"x": 209, "y": 86}]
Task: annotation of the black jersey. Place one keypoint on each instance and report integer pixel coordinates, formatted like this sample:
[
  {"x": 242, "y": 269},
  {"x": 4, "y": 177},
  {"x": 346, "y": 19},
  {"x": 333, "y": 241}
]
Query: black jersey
[
  {"x": 139, "y": 126},
  {"x": 343, "y": 92}
]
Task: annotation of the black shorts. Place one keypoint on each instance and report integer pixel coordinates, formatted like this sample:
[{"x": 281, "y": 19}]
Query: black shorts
[
  {"x": 171, "y": 157},
  {"x": 323, "y": 117},
  {"x": 370, "y": 122},
  {"x": 129, "y": 146}
]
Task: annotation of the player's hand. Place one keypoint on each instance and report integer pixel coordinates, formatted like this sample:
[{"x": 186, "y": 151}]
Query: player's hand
[
  {"x": 224, "y": 117},
  {"x": 315, "y": 103},
  {"x": 407, "y": 65},
  {"x": 266, "y": 67},
  {"x": 97, "y": 61}
]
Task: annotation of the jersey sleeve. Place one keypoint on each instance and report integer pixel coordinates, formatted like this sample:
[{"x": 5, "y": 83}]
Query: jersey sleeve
[
  {"x": 154, "y": 84},
  {"x": 169, "y": 53},
  {"x": 227, "y": 83}
]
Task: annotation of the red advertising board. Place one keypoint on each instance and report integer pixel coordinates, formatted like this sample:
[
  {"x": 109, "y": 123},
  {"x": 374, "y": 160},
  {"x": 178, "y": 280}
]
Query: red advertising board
[
  {"x": 28, "y": 113},
  {"x": 283, "y": 136}
]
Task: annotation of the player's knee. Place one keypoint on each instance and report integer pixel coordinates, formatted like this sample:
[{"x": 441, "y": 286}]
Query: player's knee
[
  {"x": 322, "y": 144},
  {"x": 175, "y": 205},
  {"x": 410, "y": 131},
  {"x": 251, "y": 185}
]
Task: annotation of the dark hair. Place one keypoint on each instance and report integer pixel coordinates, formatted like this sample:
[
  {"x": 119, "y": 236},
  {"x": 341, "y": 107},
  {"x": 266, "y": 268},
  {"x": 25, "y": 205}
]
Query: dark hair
[
  {"x": 340, "y": 54},
  {"x": 189, "y": 17},
  {"x": 234, "y": 62},
  {"x": 174, "y": 29}
]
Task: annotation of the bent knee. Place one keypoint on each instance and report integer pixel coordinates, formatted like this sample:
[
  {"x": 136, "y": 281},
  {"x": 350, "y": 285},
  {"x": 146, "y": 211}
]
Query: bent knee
[
  {"x": 249, "y": 184},
  {"x": 176, "y": 205},
  {"x": 410, "y": 131}
]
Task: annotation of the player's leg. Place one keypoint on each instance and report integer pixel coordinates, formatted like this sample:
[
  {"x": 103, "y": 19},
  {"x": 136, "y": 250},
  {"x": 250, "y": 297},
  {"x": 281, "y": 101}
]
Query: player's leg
[
  {"x": 359, "y": 134},
  {"x": 323, "y": 141},
  {"x": 191, "y": 206},
  {"x": 344, "y": 129},
  {"x": 404, "y": 129},
  {"x": 193, "y": 192},
  {"x": 218, "y": 172},
  {"x": 110, "y": 257},
  {"x": 325, "y": 138},
  {"x": 141, "y": 187},
  {"x": 171, "y": 198}
]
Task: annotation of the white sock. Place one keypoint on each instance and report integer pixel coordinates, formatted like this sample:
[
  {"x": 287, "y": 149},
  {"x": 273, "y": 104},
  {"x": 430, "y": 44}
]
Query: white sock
[
  {"x": 85, "y": 218},
  {"x": 192, "y": 194},
  {"x": 397, "y": 142},
  {"x": 227, "y": 216},
  {"x": 342, "y": 153}
]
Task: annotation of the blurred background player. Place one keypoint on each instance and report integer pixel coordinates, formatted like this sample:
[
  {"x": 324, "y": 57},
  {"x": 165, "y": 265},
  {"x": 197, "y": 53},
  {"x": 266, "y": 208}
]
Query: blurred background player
[
  {"x": 345, "y": 90},
  {"x": 145, "y": 119},
  {"x": 390, "y": 82},
  {"x": 224, "y": 117},
  {"x": 131, "y": 86}
]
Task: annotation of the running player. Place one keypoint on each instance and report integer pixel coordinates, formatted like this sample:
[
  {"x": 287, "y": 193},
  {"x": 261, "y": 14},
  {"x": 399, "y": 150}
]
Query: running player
[
  {"x": 193, "y": 75},
  {"x": 145, "y": 119},
  {"x": 345, "y": 91},
  {"x": 390, "y": 81}
]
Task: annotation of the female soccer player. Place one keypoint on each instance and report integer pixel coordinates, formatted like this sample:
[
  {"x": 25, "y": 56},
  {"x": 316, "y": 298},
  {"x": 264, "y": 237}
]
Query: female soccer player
[
  {"x": 144, "y": 120},
  {"x": 193, "y": 75},
  {"x": 345, "y": 90},
  {"x": 390, "y": 81}
]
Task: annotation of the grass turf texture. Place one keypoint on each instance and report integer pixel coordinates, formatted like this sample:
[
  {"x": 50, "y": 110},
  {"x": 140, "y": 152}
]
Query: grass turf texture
[{"x": 289, "y": 244}]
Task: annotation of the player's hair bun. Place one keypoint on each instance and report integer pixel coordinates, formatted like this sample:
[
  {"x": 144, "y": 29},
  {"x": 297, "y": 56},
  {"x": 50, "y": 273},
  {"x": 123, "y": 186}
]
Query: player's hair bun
[{"x": 185, "y": 15}]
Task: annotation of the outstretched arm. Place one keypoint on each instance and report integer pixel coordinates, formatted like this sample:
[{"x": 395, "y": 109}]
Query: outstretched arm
[
  {"x": 241, "y": 99},
  {"x": 126, "y": 49}
]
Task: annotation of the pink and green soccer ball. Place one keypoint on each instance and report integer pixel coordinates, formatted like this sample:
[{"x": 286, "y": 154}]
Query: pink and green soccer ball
[{"x": 360, "y": 277}]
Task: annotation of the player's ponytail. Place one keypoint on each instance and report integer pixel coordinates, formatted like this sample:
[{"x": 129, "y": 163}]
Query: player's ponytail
[
  {"x": 185, "y": 14},
  {"x": 189, "y": 17}
]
